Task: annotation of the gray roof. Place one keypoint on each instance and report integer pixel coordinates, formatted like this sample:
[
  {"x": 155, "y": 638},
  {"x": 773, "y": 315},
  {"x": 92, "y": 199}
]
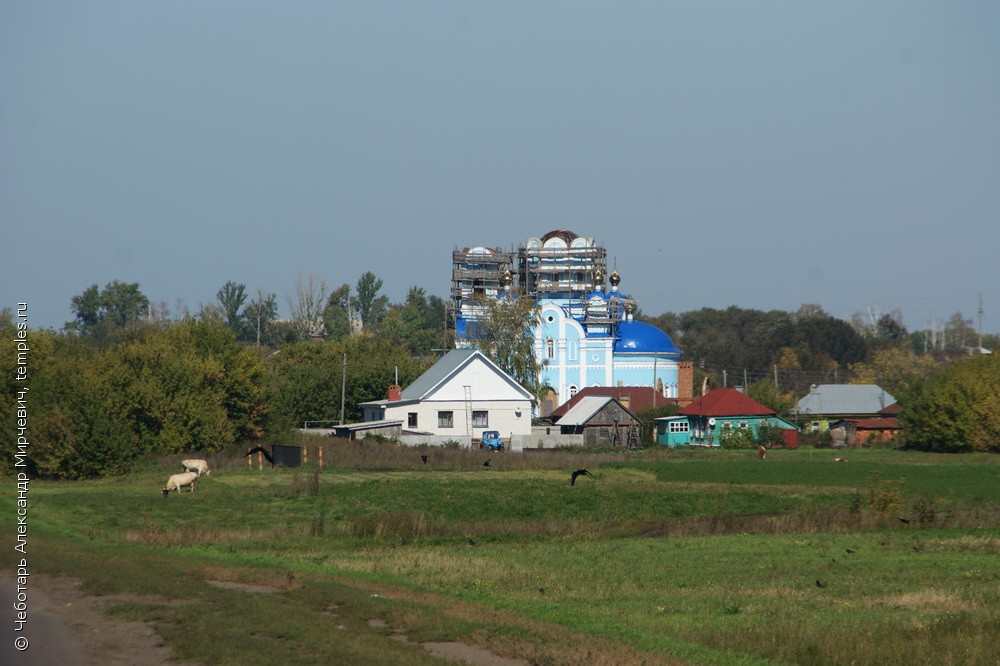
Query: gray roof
[
  {"x": 584, "y": 410},
  {"x": 450, "y": 363},
  {"x": 844, "y": 399},
  {"x": 437, "y": 373}
]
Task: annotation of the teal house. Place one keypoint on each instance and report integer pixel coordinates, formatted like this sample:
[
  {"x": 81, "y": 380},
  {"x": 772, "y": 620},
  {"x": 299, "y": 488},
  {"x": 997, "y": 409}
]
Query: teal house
[{"x": 706, "y": 421}]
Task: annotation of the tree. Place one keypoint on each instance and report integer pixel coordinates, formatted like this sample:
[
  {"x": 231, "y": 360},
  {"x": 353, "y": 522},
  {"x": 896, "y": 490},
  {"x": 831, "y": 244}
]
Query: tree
[
  {"x": 103, "y": 311},
  {"x": 955, "y": 410},
  {"x": 504, "y": 333},
  {"x": 306, "y": 306},
  {"x": 369, "y": 304},
  {"x": 338, "y": 314},
  {"x": 893, "y": 368},
  {"x": 231, "y": 298},
  {"x": 262, "y": 310}
]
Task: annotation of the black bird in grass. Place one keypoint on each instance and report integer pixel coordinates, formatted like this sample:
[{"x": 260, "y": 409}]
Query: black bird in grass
[
  {"x": 260, "y": 449},
  {"x": 819, "y": 584},
  {"x": 471, "y": 542},
  {"x": 903, "y": 520},
  {"x": 487, "y": 463},
  {"x": 850, "y": 552},
  {"x": 423, "y": 459},
  {"x": 572, "y": 478}
]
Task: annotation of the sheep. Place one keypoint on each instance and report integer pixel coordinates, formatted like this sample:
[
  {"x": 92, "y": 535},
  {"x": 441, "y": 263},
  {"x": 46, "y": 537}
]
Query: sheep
[
  {"x": 178, "y": 481},
  {"x": 199, "y": 466}
]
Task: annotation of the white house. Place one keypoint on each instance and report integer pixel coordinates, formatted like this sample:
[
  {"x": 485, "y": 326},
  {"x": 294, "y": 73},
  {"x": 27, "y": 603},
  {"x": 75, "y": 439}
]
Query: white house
[{"x": 458, "y": 398}]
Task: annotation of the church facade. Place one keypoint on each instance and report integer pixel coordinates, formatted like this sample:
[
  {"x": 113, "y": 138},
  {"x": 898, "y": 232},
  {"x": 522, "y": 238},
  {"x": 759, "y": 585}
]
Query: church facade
[{"x": 586, "y": 335}]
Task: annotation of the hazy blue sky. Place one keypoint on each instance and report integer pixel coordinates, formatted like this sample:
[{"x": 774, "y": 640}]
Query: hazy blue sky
[{"x": 762, "y": 154}]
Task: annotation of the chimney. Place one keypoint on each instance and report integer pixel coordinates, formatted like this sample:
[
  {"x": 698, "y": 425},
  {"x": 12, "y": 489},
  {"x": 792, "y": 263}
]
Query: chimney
[
  {"x": 395, "y": 393},
  {"x": 685, "y": 382}
]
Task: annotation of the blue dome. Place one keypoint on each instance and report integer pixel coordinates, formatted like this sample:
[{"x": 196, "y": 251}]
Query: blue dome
[{"x": 637, "y": 337}]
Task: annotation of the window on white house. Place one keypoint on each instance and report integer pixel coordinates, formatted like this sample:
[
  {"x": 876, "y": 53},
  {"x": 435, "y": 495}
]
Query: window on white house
[
  {"x": 411, "y": 420},
  {"x": 679, "y": 426},
  {"x": 446, "y": 419},
  {"x": 481, "y": 419}
]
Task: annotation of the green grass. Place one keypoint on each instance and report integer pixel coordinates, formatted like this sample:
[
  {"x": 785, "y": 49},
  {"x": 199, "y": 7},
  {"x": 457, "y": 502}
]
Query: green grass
[{"x": 671, "y": 557}]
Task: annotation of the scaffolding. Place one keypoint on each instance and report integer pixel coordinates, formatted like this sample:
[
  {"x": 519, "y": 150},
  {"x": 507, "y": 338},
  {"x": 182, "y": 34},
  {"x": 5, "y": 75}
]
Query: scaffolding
[{"x": 476, "y": 272}]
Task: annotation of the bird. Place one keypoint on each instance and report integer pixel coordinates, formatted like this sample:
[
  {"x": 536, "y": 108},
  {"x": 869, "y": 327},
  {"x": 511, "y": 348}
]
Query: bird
[
  {"x": 850, "y": 552},
  {"x": 572, "y": 478},
  {"x": 260, "y": 449},
  {"x": 903, "y": 520},
  {"x": 487, "y": 463},
  {"x": 820, "y": 584},
  {"x": 423, "y": 459},
  {"x": 471, "y": 542}
]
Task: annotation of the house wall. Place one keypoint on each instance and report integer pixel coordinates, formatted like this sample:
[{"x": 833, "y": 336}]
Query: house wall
[
  {"x": 700, "y": 433},
  {"x": 508, "y": 417}
]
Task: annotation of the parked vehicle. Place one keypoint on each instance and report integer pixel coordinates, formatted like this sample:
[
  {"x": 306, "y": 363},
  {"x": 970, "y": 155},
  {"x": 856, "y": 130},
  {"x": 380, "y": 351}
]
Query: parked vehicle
[{"x": 491, "y": 441}]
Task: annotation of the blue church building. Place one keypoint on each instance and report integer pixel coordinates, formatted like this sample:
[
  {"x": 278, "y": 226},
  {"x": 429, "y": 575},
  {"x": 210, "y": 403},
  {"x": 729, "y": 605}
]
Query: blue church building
[{"x": 586, "y": 335}]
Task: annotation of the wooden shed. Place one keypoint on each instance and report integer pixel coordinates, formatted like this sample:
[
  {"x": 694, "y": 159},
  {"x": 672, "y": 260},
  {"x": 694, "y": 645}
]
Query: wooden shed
[{"x": 603, "y": 421}]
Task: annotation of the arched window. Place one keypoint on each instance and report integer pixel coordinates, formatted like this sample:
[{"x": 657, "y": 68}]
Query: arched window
[
  {"x": 572, "y": 350},
  {"x": 572, "y": 390},
  {"x": 550, "y": 348}
]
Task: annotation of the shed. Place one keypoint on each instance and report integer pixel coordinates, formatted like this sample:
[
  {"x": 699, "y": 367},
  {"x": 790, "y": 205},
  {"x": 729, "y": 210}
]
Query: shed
[{"x": 603, "y": 421}]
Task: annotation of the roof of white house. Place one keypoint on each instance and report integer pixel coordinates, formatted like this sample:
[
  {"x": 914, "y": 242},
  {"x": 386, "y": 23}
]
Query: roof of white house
[
  {"x": 584, "y": 410},
  {"x": 449, "y": 367},
  {"x": 844, "y": 399}
]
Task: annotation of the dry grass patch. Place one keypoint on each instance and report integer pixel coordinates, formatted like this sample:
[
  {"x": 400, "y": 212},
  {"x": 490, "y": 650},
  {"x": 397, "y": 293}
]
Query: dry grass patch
[{"x": 928, "y": 601}]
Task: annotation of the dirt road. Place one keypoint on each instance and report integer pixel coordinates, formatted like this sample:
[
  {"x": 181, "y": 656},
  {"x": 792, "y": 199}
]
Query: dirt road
[{"x": 66, "y": 627}]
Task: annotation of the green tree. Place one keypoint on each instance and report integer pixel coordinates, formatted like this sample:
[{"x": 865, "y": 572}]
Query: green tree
[
  {"x": 259, "y": 313},
  {"x": 955, "y": 410},
  {"x": 894, "y": 368},
  {"x": 231, "y": 298},
  {"x": 369, "y": 304},
  {"x": 767, "y": 394},
  {"x": 103, "y": 311},
  {"x": 338, "y": 313},
  {"x": 504, "y": 333}
]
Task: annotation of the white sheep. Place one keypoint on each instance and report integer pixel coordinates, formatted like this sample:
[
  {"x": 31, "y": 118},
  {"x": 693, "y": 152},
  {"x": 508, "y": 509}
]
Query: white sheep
[
  {"x": 178, "y": 481},
  {"x": 199, "y": 466}
]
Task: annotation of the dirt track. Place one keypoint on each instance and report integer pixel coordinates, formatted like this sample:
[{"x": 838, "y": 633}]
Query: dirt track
[{"x": 66, "y": 627}]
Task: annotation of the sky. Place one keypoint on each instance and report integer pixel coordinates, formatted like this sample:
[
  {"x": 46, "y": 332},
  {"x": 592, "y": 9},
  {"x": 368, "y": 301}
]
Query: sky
[{"x": 759, "y": 154}]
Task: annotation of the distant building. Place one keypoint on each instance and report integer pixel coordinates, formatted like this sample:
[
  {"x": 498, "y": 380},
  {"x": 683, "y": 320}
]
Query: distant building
[
  {"x": 457, "y": 398},
  {"x": 587, "y": 335},
  {"x": 827, "y": 403},
  {"x": 707, "y": 420},
  {"x": 603, "y": 421}
]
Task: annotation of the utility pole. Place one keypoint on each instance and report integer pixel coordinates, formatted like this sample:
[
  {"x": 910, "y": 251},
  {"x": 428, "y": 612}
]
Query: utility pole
[
  {"x": 343, "y": 389},
  {"x": 980, "y": 320}
]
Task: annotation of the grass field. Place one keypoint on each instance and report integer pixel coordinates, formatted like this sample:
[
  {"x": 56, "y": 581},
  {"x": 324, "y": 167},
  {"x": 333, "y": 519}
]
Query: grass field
[{"x": 662, "y": 557}]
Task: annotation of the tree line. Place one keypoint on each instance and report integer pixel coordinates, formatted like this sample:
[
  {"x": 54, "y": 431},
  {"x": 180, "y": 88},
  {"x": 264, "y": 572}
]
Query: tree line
[{"x": 122, "y": 380}]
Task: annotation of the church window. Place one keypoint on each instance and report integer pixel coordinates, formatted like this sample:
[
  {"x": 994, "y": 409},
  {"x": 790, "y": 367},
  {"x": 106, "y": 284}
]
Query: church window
[
  {"x": 572, "y": 348},
  {"x": 550, "y": 348}
]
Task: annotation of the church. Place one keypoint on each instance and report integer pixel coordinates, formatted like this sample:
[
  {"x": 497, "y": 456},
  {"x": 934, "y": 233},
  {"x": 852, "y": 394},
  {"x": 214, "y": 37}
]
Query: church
[{"x": 586, "y": 335}]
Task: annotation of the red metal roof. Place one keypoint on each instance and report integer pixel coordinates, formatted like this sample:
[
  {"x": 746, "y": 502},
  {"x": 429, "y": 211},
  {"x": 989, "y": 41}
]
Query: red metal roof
[
  {"x": 883, "y": 423},
  {"x": 634, "y": 398},
  {"x": 726, "y": 402}
]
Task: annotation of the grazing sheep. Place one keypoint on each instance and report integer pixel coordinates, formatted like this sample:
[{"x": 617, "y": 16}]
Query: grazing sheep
[
  {"x": 761, "y": 453},
  {"x": 178, "y": 481},
  {"x": 199, "y": 466}
]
